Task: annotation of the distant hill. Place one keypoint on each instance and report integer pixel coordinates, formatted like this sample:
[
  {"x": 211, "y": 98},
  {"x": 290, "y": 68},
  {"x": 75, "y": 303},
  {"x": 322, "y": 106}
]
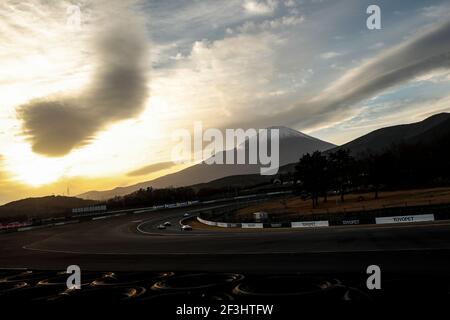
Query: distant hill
[
  {"x": 293, "y": 144},
  {"x": 41, "y": 207},
  {"x": 418, "y": 132},
  {"x": 427, "y": 131}
]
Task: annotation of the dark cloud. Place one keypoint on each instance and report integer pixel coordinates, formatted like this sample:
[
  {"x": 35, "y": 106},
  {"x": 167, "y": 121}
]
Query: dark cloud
[
  {"x": 56, "y": 125},
  {"x": 151, "y": 169}
]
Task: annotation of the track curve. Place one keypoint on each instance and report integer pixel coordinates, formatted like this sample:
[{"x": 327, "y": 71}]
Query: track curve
[{"x": 133, "y": 242}]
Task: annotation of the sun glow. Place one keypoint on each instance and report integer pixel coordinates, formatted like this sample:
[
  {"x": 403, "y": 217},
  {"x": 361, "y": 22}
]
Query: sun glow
[
  {"x": 31, "y": 169},
  {"x": 101, "y": 158}
]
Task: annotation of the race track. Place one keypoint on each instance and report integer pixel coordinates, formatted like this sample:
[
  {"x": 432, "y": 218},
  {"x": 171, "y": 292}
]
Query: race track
[{"x": 133, "y": 242}]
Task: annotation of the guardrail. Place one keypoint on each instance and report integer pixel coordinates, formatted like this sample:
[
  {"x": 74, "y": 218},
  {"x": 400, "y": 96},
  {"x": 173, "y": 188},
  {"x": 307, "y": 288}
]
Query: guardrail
[
  {"x": 378, "y": 216},
  {"x": 317, "y": 224},
  {"x": 259, "y": 225}
]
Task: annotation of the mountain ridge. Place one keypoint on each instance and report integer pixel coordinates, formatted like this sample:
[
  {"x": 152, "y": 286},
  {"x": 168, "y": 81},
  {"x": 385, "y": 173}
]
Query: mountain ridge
[
  {"x": 293, "y": 144},
  {"x": 382, "y": 138}
]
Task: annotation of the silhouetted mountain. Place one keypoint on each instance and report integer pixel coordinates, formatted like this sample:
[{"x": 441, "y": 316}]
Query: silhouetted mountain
[
  {"x": 428, "y": 132},
  {"x": 41, "y": 207},
  {"x": 293, "y": 145},
  {"x": 418, "y": 132}
]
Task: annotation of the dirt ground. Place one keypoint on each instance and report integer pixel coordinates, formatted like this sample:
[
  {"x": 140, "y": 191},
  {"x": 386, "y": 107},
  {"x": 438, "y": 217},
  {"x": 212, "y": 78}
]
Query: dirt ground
[{"x": 292, "y": 205}]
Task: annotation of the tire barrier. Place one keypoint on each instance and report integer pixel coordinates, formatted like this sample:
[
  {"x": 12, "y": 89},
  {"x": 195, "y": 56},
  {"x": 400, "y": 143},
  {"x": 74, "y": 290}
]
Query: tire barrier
[
  {"x": 8, "y": 288},
  {"x": 159, "y": 288},
  {"x": 60, "y": 279},
  {"x": 303, "y": 288},
  {"x": 197, "y": 282},
  {"x": 117, "y": 279},
  {"x": 125, "y": 293}
]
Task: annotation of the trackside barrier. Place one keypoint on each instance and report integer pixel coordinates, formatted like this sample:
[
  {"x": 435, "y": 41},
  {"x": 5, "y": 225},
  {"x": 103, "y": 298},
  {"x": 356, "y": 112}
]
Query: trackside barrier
[
  {"x": 318, "y": 224},
  {"x": 303, "y": 224},
  {"x": 385, "y": 215},
  {"x": 405, "y": 219},
  {"x": 209, "y": 223},
  {"x": 252, "y": 225},
  {"x": 29, "y": 228},
  {"x": 276, "y": 225},
  {"x": 310, "y": 224},
  {"x": 46, "y": 226},
  {"x": 100, "y": 218},
  {"x": 222, "y": 225},
  {"x": 351, "y": 222},
  {"x": 143, "y": 211},
  {"x": 119, "y": 215},
  {"x": 234, "y": 225}
]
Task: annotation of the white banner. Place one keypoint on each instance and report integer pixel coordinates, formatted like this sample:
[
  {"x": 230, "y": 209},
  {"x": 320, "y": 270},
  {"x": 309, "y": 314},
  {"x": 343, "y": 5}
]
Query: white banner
[
  {"x": 209, "y": 223},
  {"x": 309, "y": 224},
  {"x": 405, "y": 219},
  {"x": 222, "y": 224},
  {"x": 252, "y": 225}
]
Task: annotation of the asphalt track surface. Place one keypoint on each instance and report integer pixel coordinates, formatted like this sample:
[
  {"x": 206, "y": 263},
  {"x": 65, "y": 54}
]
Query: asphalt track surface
[{"x": 133, "y": 243}]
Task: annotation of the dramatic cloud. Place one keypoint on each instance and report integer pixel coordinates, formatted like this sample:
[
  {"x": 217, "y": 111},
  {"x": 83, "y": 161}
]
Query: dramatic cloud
[
  {"x": 420, "y": 55},
  {"x": 424, "y": 53},
  {"x": 151, "y": 169},
  {"x": 57, "y": 124}
]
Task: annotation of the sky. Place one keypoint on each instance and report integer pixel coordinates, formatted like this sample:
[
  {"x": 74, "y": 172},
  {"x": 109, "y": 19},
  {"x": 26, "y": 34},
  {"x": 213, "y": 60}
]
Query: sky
[{"x": 93, "y": 105}]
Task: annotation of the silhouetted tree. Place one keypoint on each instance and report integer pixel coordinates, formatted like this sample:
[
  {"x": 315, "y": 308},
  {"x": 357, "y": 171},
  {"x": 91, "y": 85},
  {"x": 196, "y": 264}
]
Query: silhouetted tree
[
  {"x": 312, "y": 173},
  {"x": 341, "y": 170},
  {"x": 377, "y": 167}
]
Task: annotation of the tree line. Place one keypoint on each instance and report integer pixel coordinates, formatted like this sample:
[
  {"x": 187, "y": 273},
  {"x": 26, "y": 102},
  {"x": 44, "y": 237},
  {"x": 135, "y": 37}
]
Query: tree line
[
  {"x": 154, "y": 197},
  {"x": 400, "y": 166}
]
